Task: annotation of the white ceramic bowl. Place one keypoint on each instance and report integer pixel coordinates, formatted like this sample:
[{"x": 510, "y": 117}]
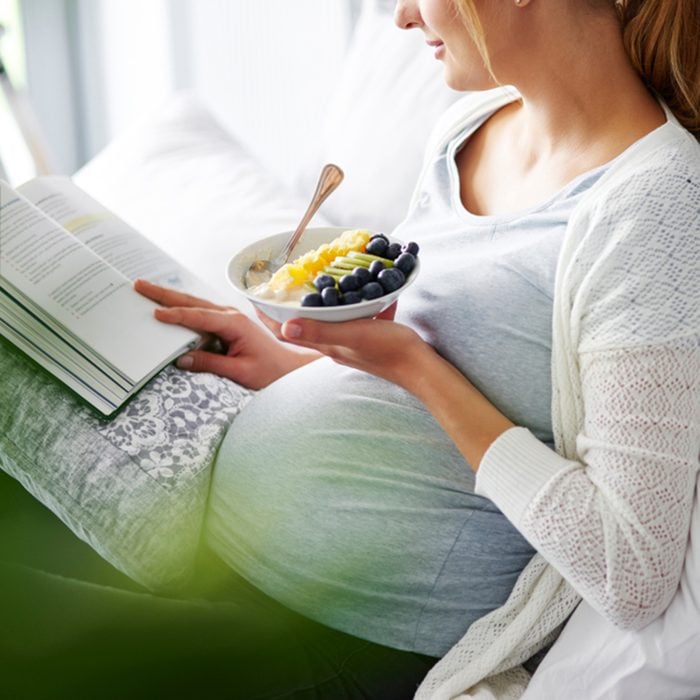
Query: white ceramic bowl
[{"x": 268, "y": 247}]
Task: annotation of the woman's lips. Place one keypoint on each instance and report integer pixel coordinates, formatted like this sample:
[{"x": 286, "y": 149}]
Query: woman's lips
[{"x": 439, "y": 48}]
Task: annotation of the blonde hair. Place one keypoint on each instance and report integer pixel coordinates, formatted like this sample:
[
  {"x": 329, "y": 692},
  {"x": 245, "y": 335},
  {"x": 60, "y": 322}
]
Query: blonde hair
[
  {"x": 466, "y": 11},
  {"x": 661, "y": 38}
]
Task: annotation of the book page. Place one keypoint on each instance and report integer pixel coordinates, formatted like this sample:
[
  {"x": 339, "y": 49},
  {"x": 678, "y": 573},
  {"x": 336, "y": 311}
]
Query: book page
[
  {"x": 59, "y": 360},
  {"x": 103, "y": 232},
  {"x": 72, "y": 289},
  {"x": 39, "y": 337}
]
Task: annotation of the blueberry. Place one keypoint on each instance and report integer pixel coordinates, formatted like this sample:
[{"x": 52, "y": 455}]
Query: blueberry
[
  {"x": 411, "y": 247},
  {"x": 323, "y": 281},
  {"x": 405, "y": 262},
  {"x": 348, "y": 283},
  {"x": 393, "y": 251},
  {"x": 312, "y": 299},
  {"x": 379, "y": 235},
  {"x": 351, "y": 298},
  {"x": 375, "y": 267},
  {"x": 377, "y": 246},
  {"x": 391, "y": 279},
  {"x": 363, "y": 275},
  {"x": 330, "y": 296},
  {"x": 373, "y": 290}
]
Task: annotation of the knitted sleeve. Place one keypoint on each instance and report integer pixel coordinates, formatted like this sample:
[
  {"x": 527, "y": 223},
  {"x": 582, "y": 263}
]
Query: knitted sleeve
[{"x": 614, "y": 519}]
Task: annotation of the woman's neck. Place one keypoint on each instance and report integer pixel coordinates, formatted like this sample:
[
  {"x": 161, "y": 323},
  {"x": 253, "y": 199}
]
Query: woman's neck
[
  {"x": 593, "y": 104},
  {"x": 570, "y": 119}
]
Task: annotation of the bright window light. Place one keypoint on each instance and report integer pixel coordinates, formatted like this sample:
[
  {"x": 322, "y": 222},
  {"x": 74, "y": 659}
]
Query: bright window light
[{"x": 16, "y": 162}]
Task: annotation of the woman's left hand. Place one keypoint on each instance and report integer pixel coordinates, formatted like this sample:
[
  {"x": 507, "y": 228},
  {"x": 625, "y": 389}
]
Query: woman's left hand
[{"x": 379, "y": 346}]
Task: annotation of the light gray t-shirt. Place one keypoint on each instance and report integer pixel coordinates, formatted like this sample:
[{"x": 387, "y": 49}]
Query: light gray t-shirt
[{"x": 338, "y": 494}]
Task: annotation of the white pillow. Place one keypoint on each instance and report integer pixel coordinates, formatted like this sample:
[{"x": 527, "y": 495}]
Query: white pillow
[
  {"x": 593, "y": 660},
  {"x": 184, "y": 182},
  {"x": 389, "y": 95}
]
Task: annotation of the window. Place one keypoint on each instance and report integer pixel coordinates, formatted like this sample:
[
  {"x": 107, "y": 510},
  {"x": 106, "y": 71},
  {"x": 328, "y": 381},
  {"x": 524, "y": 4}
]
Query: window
[
  {"x": 16, "y": 162},
  {"x": 91, "y": 68}
]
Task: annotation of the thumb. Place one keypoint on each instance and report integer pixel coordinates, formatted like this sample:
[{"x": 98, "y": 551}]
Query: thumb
[{"x": 307, "y": 332}]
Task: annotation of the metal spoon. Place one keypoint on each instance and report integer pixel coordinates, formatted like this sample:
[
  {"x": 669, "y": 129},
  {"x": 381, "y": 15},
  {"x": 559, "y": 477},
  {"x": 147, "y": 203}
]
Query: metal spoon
[{"x": 262, "y": 270}]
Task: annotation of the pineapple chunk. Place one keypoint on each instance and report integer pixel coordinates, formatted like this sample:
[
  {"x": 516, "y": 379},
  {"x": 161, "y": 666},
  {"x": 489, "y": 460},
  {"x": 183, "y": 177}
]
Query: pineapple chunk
[{"x": 305, "y": 268}]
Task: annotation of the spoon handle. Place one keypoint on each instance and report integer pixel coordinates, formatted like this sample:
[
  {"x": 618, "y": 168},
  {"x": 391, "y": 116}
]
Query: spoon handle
[{"x": 331, "y": 176}]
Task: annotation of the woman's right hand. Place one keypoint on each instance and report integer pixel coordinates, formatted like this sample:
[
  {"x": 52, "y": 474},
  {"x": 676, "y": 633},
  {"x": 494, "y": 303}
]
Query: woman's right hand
[{"x": 250, "y": 355}]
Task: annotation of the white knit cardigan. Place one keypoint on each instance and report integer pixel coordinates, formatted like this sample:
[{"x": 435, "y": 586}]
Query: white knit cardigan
[{"x": 609, "y": 510}]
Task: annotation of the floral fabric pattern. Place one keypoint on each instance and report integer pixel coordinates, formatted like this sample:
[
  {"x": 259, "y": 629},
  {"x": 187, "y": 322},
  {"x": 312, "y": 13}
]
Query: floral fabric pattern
[{"x": 176, "y": 422}]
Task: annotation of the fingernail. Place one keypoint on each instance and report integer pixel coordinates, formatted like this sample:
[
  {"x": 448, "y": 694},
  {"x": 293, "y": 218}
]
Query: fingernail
[
  {"x": 292, "y": 330},
  {"x": 185, "y": 362}
]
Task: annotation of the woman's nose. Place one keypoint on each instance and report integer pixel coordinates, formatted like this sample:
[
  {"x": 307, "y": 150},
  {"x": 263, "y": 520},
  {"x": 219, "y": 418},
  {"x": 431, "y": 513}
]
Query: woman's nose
[{"x": 407, "y": 15}]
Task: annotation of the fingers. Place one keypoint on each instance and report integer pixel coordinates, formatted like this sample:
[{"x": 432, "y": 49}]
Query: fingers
[
  {"x": 302, "y": 331},
  {"x": 202, "y": 361},
  {"x": 171, "y": 297},
  {"x": 226, "y": 323}
]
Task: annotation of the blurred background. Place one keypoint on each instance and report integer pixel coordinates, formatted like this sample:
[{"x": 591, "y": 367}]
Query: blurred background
[
  {"x": 238, "y": 103},
  {"x": 86, "y": 69}
]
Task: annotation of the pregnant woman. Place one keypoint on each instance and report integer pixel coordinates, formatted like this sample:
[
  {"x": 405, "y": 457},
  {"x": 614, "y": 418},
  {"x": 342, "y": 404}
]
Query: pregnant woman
[{"x": 522, "y": 431}]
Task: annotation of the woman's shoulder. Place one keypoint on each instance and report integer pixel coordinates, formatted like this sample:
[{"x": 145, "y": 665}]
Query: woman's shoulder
[
  {"x": 633, "y": 249},
  {"x": 653, "y": 186},
  {"x": 471, "y": 107},
  {"x": 664, "y": 166}
]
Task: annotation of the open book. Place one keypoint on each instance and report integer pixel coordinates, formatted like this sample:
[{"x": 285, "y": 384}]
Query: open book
[{"x": 66, "y": 297}]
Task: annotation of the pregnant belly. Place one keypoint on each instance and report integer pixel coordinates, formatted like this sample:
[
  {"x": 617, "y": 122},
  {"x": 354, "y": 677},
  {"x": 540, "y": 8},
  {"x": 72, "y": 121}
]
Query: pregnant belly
[{"x": 338, "y": 494}]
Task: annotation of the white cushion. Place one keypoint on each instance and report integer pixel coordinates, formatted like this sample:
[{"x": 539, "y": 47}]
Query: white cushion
[
  {"x": 388, "y": 97},
  {"x": 593, "y": 660},
  {"x": 184, "y": 182}
]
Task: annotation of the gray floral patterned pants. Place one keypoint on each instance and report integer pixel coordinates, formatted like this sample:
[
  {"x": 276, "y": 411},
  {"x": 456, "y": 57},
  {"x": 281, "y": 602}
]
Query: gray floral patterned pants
[{"x": 133, "y": 486}]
